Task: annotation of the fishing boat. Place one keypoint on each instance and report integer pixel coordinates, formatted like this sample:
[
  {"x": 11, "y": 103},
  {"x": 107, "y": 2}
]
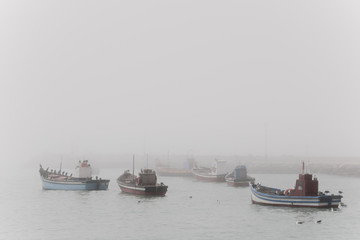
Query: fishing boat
[
  {"x": 58, "y": 180},
  {"x": 239, "y": 177},
  {"x": 216, "y": 173},
  {"x": 305, "y": 194},
  {"x": 144, "y": 184}
]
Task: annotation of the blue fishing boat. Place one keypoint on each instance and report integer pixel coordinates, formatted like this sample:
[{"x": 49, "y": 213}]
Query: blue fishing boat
[
  {"x": 305, "y": 194},
  {"x": 57, "y": 180},
  {"x": 239, "y": 177}
]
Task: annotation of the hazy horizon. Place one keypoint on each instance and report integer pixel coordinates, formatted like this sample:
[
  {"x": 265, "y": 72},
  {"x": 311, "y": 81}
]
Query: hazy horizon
[{"x": 186, "y": 77}]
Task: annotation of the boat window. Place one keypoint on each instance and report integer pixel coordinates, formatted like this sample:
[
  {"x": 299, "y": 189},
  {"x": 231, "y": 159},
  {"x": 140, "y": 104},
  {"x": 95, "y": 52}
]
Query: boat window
[{"x": 300, "y": 186}]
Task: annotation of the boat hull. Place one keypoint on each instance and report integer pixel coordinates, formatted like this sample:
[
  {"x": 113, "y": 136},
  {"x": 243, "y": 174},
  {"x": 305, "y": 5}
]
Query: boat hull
[
  {"x": 75, "y": 185},
  {"x": 157, "y": 190},
  {"x": 326, "y": 201},
  {"x": 209, "y": 177},
  {"x": 233, "y": 183}
]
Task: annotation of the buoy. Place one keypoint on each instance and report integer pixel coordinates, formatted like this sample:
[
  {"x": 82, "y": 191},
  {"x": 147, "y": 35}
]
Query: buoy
[
  {"x": 318, "y": 221},
  {"x": 299, "y": 222}
]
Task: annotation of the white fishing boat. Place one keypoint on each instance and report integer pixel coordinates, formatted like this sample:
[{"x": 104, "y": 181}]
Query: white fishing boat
[{"x": 216, "y": 173}]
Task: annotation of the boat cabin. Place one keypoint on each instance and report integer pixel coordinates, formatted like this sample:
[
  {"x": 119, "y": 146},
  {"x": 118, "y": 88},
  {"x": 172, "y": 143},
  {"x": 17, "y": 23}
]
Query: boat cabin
[
  {"x": 147, "y": 177},
  {"x": 83, "y": 169},
  {"x": 240, "y": 173},
  {"x": 219, "y": 167},
  {"x": 305, "y": 185}
]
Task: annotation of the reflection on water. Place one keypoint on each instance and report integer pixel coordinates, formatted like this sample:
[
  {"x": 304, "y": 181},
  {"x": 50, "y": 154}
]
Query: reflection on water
[{"x": 190, "y": 210}]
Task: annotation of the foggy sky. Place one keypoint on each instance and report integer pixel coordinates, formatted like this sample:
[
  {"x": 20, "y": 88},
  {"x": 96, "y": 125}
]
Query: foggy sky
[{"x": 199, "y": 77}]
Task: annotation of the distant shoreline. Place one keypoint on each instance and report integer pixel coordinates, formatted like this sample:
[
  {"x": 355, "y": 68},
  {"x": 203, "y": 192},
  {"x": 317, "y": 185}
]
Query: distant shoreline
[{"x": 343, "y": 166}]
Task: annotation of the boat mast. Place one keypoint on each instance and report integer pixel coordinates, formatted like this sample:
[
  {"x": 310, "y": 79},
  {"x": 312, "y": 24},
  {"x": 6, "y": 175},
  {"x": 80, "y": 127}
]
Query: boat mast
[
  {"x": 133, "y": 164},
  {"x": 303, "y": 167}
]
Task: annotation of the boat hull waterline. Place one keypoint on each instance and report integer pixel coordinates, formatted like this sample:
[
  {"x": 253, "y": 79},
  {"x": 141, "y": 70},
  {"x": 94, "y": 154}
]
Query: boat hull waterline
[{"x": 325, "y": 201}]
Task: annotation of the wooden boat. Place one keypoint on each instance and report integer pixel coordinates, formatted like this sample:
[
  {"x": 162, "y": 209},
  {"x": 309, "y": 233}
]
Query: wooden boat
[
  {"x": 57, "y": 180},
  {"x": 144, "y": 184},
  {"x": 305, "y": 194},
  {"x": 239, "y": 177},
  {"x": 216, "y": 173}
]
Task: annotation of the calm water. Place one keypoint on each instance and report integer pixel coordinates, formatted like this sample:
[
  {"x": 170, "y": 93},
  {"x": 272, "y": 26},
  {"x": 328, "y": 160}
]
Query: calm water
[{"x": 214, "y": 211}]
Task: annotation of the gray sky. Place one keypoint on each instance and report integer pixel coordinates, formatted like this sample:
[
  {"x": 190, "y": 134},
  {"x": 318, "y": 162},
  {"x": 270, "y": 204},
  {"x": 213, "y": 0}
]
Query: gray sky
[{"x": 206, "y": 77}]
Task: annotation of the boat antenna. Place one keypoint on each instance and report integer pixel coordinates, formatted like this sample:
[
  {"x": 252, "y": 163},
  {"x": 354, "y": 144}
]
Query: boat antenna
[
  {"x": 133, "y": 164},
  {"x": 303, "y": 166},
  {"x": 147, "y": 160},
  {"x": 60, "y": 165}
]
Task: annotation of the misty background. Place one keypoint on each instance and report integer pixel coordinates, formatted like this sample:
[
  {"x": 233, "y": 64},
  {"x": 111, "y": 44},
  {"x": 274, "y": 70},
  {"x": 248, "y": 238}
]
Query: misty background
[{"x": 240, "y": 80}]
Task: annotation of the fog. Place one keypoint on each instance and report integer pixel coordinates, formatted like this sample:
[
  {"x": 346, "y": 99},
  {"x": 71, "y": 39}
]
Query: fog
[{"x": 199, "y": 78}]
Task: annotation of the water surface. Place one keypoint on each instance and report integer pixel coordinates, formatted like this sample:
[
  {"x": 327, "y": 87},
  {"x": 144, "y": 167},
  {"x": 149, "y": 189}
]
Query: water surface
[{"x": 190, "y": 210}]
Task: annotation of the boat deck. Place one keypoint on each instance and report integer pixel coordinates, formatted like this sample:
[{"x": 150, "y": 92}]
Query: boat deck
[{"x": 268, "y": 190}]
